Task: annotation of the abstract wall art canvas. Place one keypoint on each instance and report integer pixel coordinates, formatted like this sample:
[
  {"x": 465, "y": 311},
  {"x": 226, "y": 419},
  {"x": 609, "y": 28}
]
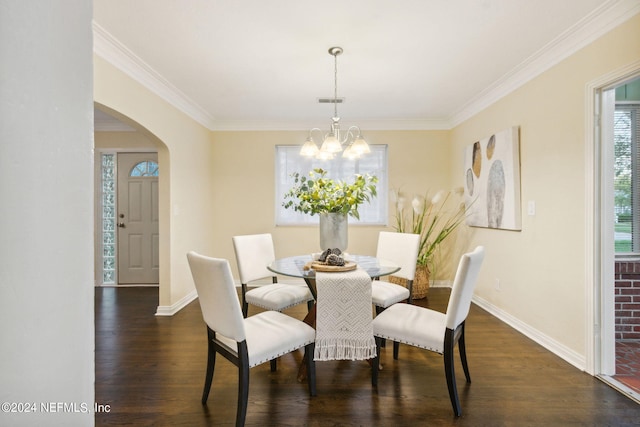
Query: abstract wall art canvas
[{"x": 492, "y": 181}]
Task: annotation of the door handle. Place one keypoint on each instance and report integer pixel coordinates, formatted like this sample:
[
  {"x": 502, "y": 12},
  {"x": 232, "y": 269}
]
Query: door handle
[{"x": 121, "y": 225}]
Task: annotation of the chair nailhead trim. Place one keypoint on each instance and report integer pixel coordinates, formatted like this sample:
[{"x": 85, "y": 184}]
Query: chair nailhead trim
[
  {"x": 280, "y": 354},
  {"x": 409, "y": 343}
]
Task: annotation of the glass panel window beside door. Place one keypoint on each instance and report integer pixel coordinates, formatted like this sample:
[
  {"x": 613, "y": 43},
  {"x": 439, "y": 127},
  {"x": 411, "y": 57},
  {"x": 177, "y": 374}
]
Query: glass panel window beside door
[{"x": 108, "y": 219}]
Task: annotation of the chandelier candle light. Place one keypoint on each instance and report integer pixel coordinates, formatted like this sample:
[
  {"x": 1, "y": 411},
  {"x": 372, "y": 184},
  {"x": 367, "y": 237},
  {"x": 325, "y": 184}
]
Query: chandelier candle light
[{"x": 333, "y": 143}]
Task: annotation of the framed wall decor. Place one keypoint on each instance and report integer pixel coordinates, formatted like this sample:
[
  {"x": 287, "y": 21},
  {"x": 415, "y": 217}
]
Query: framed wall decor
[{"x": 492, "y": 181}]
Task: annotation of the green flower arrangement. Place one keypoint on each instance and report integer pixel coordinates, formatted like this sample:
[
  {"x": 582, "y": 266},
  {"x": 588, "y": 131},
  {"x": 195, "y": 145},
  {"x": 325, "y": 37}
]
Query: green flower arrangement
[{"x": 318, "y": 194}]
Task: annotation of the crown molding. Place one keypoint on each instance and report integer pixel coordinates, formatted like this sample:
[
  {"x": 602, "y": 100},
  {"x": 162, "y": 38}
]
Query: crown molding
[
  {"x": 405, "y": 124},
  {"x": 118, "y": 55},
  {"x": 602, "y": 20},
  {"x": 364, "y": 125}
]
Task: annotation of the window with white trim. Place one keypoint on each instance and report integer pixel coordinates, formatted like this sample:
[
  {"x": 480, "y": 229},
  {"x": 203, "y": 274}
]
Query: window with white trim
[
  {"x": 289, "y": 160},
  {"x": 627, "y": 178}
]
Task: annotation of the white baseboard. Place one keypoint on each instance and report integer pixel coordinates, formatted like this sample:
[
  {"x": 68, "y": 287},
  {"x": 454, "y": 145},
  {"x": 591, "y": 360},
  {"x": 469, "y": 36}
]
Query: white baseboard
[
  {"x": 170, "y": 310},
  {"x": 547, "y": 342}
]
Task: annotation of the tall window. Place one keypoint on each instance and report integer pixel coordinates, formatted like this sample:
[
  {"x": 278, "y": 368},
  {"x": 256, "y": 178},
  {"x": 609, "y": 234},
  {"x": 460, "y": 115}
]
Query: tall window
[
  {"x": 108, "y": 205},
  {"x": 289, "y": 160},
  {"x": 627, "y": 178}
]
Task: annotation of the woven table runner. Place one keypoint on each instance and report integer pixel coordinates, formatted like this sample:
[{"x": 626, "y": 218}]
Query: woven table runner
[{"x": 344, "y": 314}]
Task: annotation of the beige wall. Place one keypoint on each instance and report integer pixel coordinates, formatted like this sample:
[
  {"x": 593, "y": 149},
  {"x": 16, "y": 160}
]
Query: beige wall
[
  {"x": 125, "y": 140},
  {"x": 542, "y": 268}
]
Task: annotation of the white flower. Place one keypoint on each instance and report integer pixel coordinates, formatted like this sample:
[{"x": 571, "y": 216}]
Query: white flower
[
  {"x": 417, "y": 204},
  {"x": 438, "y": 197}
]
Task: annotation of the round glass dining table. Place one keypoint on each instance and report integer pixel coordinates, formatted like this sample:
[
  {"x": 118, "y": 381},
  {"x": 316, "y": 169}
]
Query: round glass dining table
[{"x": 295, "y": 266}]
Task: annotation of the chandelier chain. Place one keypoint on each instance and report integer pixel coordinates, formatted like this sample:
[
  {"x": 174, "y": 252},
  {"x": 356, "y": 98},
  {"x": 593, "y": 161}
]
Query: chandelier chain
[{"x": 335, "y": 85}]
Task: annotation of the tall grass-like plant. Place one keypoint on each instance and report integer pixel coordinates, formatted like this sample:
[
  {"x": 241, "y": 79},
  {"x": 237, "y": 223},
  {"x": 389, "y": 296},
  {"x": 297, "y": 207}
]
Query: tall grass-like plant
[{"x": 432, "y": 218}]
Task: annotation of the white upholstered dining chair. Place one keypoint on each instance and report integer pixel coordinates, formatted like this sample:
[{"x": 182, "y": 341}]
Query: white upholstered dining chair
[
  {"x": 253, "y": 253},
  {"x": 431, "y": 330},
  {"x": 244, "y": 342},
  {"x": 401, "y": 249}
]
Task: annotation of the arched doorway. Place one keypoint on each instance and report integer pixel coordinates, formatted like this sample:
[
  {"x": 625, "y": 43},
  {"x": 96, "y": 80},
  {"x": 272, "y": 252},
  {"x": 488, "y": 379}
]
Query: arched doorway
[{"x": 119, "y": 139}]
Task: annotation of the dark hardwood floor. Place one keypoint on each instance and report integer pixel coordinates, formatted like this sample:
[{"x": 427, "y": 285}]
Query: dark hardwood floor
[{"x": 150, "y": 371}]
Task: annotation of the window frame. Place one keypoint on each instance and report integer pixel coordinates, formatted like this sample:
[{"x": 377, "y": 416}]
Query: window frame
[{"x": 634, "y": 108}]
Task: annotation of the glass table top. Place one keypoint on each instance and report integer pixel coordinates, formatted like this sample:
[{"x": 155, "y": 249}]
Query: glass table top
[{"x": 294, "y": 266}]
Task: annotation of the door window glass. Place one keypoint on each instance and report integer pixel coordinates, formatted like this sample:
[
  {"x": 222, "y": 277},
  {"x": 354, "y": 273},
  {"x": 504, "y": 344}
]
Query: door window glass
[{"x": 146, "y": 168}]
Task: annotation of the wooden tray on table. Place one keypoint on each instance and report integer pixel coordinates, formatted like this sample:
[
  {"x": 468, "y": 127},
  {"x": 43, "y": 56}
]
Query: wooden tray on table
[{"x": 321, "y": 266}]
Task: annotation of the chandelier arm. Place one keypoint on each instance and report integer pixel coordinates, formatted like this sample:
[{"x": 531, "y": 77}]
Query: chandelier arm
[
  {"x": 311, "y": 130},
  {"x": 350, "y": 133}
]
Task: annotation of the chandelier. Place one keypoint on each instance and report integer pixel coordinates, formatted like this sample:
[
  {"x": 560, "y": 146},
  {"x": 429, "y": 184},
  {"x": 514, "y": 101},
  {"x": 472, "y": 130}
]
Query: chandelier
[{"x": 352, "y": 142}]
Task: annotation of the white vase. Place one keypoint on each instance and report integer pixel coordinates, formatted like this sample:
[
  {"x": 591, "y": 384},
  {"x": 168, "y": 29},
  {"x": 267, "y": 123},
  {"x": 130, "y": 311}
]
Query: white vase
[{"x": 334, "y": 232}]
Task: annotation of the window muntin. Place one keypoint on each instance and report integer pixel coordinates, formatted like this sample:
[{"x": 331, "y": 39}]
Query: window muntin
[{"x": 289, "y": 160}]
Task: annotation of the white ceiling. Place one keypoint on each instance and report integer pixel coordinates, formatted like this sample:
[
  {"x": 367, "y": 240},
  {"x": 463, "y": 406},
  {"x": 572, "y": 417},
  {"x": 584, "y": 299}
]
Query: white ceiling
[{"x": 407, "y": 64}]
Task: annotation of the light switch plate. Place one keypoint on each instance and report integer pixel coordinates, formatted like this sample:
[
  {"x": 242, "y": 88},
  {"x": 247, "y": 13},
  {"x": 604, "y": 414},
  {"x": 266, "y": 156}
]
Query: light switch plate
[{"x": 531, "y": 207}]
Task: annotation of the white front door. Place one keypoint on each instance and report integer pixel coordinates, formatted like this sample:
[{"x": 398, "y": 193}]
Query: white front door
[{"x": 138, "y": 257}]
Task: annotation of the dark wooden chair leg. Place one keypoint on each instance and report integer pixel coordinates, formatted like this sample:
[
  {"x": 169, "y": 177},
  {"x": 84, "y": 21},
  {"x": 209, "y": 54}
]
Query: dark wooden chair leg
[
  {"x": 450, "y": 372},
  {"x": 274, "y": 364},
  {"x": 310, "y": 305},
  {"x": 379, "y": 310},
  {"x": 396, "y": 349},
  {"x": 311, "y": 368},
  {"x": 245, "y": 305},
  {"x": 463, "y": 354},
  {"x": 243, "y": 383},
  {"x": 375, "y": 365},
  {"x": 396, "y": 346},
  {"x": 211, "y": 363}
]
